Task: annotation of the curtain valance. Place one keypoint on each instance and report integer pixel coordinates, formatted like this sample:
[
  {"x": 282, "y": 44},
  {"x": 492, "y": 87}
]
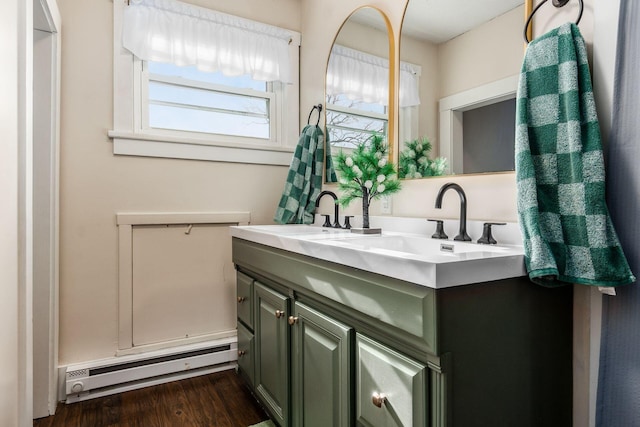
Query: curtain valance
[
  {"x": 183, "y": 34},
  {"x": 364, "y": 77}
]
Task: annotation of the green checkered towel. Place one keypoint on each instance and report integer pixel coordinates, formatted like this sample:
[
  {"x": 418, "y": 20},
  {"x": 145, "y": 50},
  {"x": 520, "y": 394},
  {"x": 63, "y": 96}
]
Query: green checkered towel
[
  {"x": 304, "y": 180},
  {"x": 567, "y": 232}
]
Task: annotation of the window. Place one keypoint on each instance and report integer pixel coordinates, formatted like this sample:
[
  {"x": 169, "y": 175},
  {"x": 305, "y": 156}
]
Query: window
[
  {"x": 357, "y": 88},
  {"x": 188, "y": 100},
  {"x": 219, "y": 105},
  {"x": 351, "y": 122},
  {"x": 357, "y": 96}
]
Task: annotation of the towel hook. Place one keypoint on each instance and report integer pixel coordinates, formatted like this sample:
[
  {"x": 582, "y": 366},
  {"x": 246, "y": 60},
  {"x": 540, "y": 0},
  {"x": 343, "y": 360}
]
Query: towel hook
[
  {"x": 556, "y": 3},
  {"x": 319, "y": 107}
]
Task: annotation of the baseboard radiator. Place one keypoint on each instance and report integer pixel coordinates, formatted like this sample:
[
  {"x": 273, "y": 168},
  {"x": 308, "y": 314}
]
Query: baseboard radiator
[{"x": 125, "y": 373}]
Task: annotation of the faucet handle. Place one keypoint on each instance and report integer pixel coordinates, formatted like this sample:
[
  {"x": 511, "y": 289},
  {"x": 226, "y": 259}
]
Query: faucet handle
[
  {"x": 347, "y": 221},
  {"x": 439, "y": 234},
  {"x": 327, "y": 221},
  {"x": 487, "y": 238}
]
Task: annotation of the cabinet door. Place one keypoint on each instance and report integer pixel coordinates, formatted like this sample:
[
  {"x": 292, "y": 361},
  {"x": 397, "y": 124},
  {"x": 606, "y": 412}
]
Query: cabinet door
[
  {"x": 321, "y": 355},
  {"x": 391, "y": 388},
  {"x": 272, "y": 351},
  {"x": 245, "y": 352}
]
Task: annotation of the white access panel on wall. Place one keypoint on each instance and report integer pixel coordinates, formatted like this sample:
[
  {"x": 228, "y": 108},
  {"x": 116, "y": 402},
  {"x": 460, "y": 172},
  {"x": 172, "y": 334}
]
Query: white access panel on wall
[
  {"x": 176, "y": 281},
  {"x": 182, "y": 282}
]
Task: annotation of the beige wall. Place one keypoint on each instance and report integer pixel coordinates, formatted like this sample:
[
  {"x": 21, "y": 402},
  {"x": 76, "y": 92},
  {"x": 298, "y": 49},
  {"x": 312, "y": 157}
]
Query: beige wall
[
  {"x": 364, "y": 38},
  {"x": 483, "y": 55},
  {"x": 95, "y": 184}
]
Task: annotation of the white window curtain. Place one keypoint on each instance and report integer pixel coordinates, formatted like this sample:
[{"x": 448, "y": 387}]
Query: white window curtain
[
  {"x": 408, "y": 119},
  {"x": 183, "y": 34},
  {"x": 364, "y": 77},
  {"x": 409, "y": 84}
]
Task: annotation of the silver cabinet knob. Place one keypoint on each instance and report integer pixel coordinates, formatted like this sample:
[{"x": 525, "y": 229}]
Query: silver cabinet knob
[
  {"x": 292, "y": 320},
  {"x": 279, "y": 313}
]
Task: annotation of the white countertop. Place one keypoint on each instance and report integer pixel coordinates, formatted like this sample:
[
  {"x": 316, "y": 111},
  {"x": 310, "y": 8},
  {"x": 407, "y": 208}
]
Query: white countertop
[{"x": 415, "y": 258}]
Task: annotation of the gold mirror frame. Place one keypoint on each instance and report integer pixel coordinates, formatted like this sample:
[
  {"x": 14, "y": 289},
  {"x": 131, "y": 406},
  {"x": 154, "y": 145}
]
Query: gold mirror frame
[
  {"x": 528, "y": 8},
  {"x": 391, "y": 104}
]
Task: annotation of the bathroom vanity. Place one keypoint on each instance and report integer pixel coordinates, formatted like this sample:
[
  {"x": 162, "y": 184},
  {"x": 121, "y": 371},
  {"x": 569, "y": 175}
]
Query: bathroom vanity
[{"x": 336, "y": 330}]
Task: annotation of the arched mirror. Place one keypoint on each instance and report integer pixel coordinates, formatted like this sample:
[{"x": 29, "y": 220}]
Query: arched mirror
[
  {"x": 464, "y": 58},
  {"x": 357, "y": 81}
]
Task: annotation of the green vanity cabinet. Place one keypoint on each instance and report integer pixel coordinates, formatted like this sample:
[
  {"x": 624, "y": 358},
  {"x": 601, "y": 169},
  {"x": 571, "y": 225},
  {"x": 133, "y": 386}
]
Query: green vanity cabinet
[
  {"x": 321, "y": 374},
  {"x": 271, "y": 355},
  {"x": 338, "y": 346},
  {"x": 391, "y": 388}
]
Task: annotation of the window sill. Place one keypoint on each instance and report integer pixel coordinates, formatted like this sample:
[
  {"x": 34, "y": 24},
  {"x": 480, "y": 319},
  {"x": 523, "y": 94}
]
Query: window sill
[{"x": 149, "y": 145}]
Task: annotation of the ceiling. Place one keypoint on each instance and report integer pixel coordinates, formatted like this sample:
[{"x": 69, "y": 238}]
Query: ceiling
[{"x": 441, "y": 20}]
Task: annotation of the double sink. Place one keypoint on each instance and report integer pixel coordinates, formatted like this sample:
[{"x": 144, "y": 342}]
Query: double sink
[{"x": 414, "y": 258}]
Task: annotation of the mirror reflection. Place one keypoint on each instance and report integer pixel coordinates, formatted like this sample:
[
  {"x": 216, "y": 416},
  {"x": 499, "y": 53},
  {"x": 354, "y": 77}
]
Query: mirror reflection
[
  {"x": 465, "y": 57},
  {"x": 357, "y": 81}
]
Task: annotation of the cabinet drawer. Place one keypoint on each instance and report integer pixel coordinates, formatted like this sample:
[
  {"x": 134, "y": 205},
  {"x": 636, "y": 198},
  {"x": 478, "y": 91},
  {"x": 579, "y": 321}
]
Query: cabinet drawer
[
  {"x": 399, "y": 383},
  {"x": 244, "y": 292},
  {"x": 245, "y": 352}
]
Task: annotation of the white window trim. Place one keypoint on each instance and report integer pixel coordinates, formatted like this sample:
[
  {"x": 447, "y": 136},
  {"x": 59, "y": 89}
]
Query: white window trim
[
  {"x": 357, "y": 112},
  {"x": 131, "y": 139}
]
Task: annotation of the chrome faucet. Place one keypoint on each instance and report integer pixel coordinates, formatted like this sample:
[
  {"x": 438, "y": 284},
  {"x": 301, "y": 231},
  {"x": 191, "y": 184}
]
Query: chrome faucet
[
  {"x": 336, "y": 224},
  {"x": 462, "y": 234}
]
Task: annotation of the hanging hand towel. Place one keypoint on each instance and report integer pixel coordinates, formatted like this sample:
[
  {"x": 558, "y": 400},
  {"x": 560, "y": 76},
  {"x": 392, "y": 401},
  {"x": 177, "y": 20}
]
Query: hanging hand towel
[
  {"x": 567, "y": 232},
  {"x": 304, "y": 180}
]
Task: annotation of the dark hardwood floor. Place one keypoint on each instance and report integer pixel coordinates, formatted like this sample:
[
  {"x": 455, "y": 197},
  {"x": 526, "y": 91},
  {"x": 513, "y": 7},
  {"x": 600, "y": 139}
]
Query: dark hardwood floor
[{"x": 220, "y": 399}]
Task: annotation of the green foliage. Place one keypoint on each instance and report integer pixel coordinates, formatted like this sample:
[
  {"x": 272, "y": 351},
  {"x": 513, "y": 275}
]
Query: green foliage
[
  {"x": 366, "y": 172},
  {"x": 414, "y": 161}
]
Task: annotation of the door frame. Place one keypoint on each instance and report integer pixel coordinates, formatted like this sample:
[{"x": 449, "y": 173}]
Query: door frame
[{"x": 44, "y": 182}]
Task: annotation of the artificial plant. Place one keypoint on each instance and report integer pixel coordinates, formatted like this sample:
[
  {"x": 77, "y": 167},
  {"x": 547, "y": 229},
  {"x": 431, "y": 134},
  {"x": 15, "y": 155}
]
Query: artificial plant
[
  {"x": 414, "y": 160},
  {"x": 366, "y": 173}
]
